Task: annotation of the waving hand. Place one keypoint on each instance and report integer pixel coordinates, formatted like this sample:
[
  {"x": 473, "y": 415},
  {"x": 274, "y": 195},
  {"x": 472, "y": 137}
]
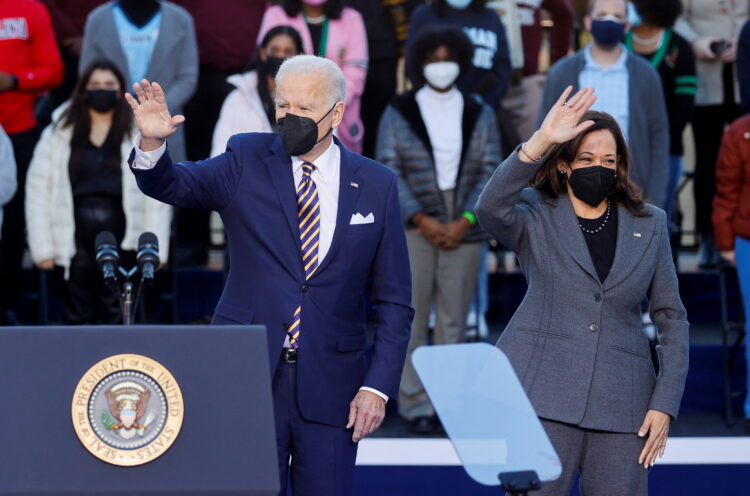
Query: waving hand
[
  {"x": 151, "y": 114},
  {"x": 563, "y": 121}
]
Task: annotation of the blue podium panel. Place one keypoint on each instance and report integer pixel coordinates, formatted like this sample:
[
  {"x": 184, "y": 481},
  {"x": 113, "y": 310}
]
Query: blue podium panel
[{"x": 226, "y": 443}]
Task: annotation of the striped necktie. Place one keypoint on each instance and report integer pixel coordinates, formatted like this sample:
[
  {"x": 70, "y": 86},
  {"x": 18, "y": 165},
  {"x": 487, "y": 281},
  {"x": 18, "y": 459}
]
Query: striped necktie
[{"x": 308, "y": 208}]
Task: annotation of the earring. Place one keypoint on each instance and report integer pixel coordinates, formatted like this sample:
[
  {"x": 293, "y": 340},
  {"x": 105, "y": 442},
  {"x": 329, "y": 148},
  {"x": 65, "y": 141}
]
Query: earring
[{"x": 561, "y": 172}]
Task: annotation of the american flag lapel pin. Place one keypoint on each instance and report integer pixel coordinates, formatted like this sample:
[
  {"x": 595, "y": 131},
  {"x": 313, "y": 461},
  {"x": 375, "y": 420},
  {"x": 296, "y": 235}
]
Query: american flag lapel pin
[
  {"x": 354, "y": 185},
  {"x": 637, "y": 234}
]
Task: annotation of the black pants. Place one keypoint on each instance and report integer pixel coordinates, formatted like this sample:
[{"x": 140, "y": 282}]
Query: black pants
[
  {"x": 379, "y": 89},
  {"x": 13, "y": 240},
  {"x": 708, "y": 127},
  {"x": 201, "y": 114},
  {"x": 85, "y": 298}
]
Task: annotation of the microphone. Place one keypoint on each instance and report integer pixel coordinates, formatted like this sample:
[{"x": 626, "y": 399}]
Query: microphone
[
  {"x": 107, "y": 258},
  {"x": 148, "y": 254}
]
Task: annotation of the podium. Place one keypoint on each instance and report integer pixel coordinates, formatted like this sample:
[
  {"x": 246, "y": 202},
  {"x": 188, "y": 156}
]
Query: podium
[
  {"x": 487, "y": 415},
  {"x": 141, "y": 411}
]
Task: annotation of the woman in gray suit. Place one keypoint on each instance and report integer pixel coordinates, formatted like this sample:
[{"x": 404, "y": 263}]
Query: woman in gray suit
[{"x": 591, "y": 250}]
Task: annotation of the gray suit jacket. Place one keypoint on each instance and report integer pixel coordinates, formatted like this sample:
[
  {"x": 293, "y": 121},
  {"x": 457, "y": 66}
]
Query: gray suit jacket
[
  {"x": 648, "y": 129},
  {"x": 173, "y": 64},
  {"x": 577, "y": 344}
]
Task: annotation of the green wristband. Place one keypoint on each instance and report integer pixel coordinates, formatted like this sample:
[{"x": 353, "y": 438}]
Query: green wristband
[{"x": 470, "y": 217}]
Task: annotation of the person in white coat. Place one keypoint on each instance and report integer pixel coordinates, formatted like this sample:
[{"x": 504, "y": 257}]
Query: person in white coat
[
  {"x": 250, "y": 107},
  {"x": 8, "y": 181},
  {"x": 78, "y": 185}
]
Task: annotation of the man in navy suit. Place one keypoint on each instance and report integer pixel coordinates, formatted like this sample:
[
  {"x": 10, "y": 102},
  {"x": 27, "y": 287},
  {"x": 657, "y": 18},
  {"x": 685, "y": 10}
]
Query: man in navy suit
[{"x": 310, "y": 226}]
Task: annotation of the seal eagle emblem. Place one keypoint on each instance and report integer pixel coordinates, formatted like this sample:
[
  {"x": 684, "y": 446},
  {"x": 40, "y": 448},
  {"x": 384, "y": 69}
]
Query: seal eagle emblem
[{"x": 127, "y": 410}]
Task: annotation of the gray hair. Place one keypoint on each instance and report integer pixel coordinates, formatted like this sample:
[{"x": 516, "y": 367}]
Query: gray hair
[{"x": 306, "y": 64}]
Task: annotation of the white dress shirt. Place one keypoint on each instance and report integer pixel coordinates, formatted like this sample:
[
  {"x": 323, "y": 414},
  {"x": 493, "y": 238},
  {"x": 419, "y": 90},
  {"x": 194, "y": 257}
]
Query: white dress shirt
[
  {"x": 327, "y": 175},
  {"x": 443, "y": 114}
]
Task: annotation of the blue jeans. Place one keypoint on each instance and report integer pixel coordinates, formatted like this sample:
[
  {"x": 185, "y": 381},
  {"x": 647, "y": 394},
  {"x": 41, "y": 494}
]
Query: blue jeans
[
  {"x": 675, "y": 172},
  {"x": 742, "y": 257}
]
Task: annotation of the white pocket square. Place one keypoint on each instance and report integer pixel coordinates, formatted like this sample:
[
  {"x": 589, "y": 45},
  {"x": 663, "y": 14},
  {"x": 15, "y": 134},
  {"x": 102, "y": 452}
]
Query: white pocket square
[{"x": 360, "y": 219}]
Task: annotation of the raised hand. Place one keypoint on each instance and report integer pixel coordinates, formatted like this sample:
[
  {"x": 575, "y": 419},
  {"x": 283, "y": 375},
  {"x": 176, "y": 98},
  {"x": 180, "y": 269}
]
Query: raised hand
[
  {"x": 562, "y": 122},
  {"x": 151, "y": 114}
]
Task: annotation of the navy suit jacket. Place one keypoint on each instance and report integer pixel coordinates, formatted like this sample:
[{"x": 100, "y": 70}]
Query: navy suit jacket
[{"x": 252, "y": 187}]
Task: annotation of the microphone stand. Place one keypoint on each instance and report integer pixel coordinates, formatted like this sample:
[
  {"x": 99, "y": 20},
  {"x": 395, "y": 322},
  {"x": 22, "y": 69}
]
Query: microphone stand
[{"x": 127, "y": 300}]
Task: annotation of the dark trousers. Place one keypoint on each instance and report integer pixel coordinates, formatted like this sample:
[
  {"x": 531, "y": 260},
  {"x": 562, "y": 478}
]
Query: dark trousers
[
  {"x": 201, "y": 114},
  {"x": 708, "y": 127},
  {"x": 322, "y": 457},
  {"x": 85, "y": 298},
  {"x": 13, "y": 240},
  {"x": 379, "y": 89}
]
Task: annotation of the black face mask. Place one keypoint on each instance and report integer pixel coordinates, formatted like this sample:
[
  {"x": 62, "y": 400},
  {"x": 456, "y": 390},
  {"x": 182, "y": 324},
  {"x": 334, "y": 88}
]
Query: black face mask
[
  {"x": 592, "y": 184},
  {"x": 101, "y": 100},
  {"x": 300, "y": 134},
  {"x": 272, "y": 64}
]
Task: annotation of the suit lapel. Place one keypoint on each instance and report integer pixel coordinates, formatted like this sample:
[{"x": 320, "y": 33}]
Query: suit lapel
[
  {"x": 634, "y": 235},
  {"x": 569, "y": 231},
  {"x": 280, "y": 169},
  {"x": 348, "y": 196}
]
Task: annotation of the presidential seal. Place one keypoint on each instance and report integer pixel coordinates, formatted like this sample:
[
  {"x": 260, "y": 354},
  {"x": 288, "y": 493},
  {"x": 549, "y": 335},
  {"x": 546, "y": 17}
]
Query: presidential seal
[{"x": 127, "y": 410}]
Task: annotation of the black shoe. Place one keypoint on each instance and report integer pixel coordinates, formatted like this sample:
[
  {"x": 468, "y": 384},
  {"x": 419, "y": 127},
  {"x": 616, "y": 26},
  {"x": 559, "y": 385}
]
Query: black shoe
[{"x": 422, "y": 425}]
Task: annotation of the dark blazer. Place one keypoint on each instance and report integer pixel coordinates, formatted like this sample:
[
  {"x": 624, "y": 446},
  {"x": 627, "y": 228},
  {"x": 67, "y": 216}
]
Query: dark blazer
[
  {"x": 648, "y": 129},
  {"x": 252, "y": 187},
  {"x": 576, "y": 343},
  {"x": 404, "y": 146}
]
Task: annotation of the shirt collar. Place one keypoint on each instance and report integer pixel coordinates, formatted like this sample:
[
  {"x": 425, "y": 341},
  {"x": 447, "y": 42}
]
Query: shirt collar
[
  {"x": 617, "y": 66},
  {"x": 324, "y": 164}
]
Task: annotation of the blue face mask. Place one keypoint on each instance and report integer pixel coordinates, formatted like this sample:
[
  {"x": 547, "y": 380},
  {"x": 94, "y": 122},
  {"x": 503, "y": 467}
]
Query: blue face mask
[
  {"x": 459, "y": 4},
  {"x": 607, "y": 32}
]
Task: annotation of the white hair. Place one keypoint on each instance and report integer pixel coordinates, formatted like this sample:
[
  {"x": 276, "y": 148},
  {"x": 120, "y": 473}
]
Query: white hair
[{"x": 307, "y": 64}]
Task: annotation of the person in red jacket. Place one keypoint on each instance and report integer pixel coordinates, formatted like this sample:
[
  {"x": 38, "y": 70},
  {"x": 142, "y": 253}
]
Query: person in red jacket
[
  {"x": 731, "y": 214},
  {"x": 68, "y": 19},
  {"x": 29, "y": 65}
]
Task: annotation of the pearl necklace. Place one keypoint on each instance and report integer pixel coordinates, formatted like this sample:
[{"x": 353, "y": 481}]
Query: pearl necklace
[{"x": 606, "y": 218}]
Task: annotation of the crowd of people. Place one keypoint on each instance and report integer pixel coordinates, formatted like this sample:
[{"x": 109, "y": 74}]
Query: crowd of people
[{"x": 439, "y": 91}]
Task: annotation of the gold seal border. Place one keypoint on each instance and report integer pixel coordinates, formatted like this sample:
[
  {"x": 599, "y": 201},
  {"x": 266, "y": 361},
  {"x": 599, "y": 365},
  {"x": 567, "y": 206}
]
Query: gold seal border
[{"x": 85, "y": 431}]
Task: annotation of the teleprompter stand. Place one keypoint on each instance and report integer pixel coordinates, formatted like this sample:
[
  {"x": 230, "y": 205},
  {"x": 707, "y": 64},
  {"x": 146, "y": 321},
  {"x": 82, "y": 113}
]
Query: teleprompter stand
[{"x": 487, "y": 416}]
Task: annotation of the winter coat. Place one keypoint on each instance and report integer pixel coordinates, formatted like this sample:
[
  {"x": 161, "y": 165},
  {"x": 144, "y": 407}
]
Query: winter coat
[
  {"x": 404, "y": 146},
  {"x": 731, "y": 213},
  {"x": 50, "y": 219},
  {"x": 242, "y": 112}
]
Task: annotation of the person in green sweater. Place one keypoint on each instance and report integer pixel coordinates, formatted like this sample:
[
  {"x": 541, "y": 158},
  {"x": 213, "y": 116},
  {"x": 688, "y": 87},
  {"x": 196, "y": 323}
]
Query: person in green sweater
[{"x": 670, "y": 54}]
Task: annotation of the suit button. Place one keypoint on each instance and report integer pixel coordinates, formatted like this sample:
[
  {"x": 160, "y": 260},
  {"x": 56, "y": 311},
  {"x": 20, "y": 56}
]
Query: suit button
[
  {"x": 305, "y": 288},
  {"x": 593, "y": 328},
  {"x": 597, "y": 297}
]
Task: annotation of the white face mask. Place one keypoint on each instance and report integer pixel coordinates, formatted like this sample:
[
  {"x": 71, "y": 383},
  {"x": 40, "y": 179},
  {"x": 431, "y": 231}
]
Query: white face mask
[
  {"x": 441, "y": 75},
  {"x": 459, "y": 4}
]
